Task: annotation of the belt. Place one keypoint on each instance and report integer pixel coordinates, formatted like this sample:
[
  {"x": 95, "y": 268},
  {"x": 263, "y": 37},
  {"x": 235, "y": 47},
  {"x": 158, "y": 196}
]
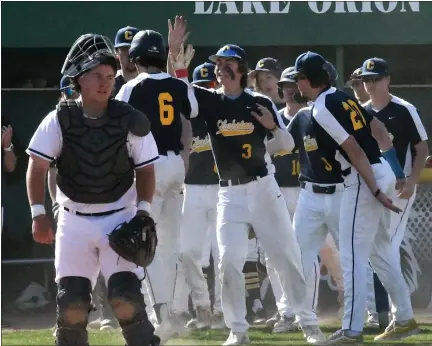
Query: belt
[
  {"x": 346, "y": 172},
  {"x": 328, "y": 190},
  {"x": 104, "y": 213},
  {"x": 165, "y": 152},
  {"x": 238, "y": 181}
]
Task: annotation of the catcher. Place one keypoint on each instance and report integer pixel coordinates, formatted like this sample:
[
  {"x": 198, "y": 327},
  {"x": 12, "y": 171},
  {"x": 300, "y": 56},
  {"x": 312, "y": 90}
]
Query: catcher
[{"x": 100, "y": 145}]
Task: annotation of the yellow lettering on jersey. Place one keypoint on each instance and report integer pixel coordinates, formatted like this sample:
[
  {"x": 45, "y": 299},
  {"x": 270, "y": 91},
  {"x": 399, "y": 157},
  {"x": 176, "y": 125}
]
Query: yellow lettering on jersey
[
  {"x": 281, "y": 153},
  {"x": 199, "y": 145},
  {"x": 166, "y": 110},
  {"x": 128, "y": 35},
  {"x": 247, "y": 154},
  {"x": 357, "y": 118},
  {"x": 215, "y": 169},
  {"x": 370, "y": 65},
  {"x": 327, "y": 166},
  {"x": 204, "y": 72},
  {"x": 234, "y": 128},
  {"x": 310, "y": 144},
  {"x": 295, "y": 167}
]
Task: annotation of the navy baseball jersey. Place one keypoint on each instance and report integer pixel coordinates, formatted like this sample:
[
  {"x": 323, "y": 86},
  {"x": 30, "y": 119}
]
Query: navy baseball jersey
[
  {"x": 202, "y": 168},
  {"x": 238, "y": 139},
  {"x": 162, "y": 99},
  {"x": 287, "y": 165},
  {"x": 404, "y": 126},
  {"x": 317, "y": 150},
  {"x": 341, "y": 116}
]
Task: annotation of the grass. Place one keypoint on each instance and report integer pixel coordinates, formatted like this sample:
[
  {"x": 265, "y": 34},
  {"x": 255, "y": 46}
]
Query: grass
[{"x": 258, "y": 336}]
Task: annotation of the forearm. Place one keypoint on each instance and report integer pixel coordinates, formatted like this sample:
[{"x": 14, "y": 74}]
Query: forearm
[
  {"x": 36, "y": 183},
  {"x": 361, "y": 163},
  {"x": 282, "y": 141},
  {"x": 422, "y": 153},
  {"x": 145, "y": 183},
  {"x": 9, "y": 161},
  {"x": 170, "y": 67},
  {"x": 52, "y": 183}
]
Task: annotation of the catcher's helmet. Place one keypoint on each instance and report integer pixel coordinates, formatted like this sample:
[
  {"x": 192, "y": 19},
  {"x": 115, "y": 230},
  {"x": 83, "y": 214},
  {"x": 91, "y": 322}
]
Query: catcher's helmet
[
  {"x": 89, "y": 51},
  {"x": 148, "y": 44}
]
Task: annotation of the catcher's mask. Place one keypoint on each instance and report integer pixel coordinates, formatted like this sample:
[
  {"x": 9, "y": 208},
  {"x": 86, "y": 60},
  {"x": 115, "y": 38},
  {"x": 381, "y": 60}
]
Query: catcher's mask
[{"x": 89, "y": 51}]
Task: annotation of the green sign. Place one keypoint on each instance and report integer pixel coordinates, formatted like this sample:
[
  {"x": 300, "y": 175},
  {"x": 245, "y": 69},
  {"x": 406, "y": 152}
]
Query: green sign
[{"x": 214, "y": 23}]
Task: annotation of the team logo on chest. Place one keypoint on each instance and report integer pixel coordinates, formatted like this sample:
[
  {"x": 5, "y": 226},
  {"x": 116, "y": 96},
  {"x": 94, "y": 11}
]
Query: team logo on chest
[
  {"x": 199, "y": 145},
  {"x": 310, "y": 144},
  {"x": 234, "y": 128}
]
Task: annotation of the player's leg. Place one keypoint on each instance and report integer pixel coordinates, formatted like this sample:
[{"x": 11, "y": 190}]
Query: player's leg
[
  {"x": 272, "y": 225},
  {"x": 100, "y": 293},
  {"x": 124, "y": 286},
  {"x": 291, "y": 195},
  {"x": 193, "y": 239},
  {"x": 76, "y": 265}
]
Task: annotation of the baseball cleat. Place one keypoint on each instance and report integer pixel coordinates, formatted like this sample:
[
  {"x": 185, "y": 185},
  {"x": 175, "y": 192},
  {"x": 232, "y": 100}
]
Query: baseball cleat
[
  {"x": 314, "y": 335},
  {"x": 203, "y": 317},
  {"x": 372, "y": 321},
  {"x": 108, "y": 324},
  {"x": 399, "y": 330},
  {"x": 192, "y": 324},
  {"x": 237, "y": 338},
  {"x": 273, "y": 320},
  {"x": 345, "y": 337},
  {"x": 285, "y": 324},
  {"x": 218, "y": 321}
]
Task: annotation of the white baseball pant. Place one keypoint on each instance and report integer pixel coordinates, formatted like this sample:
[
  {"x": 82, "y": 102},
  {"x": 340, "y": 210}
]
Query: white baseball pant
[
  {"x": 365, "y": 234},
  {"x": 259, "y": 204},
  {"x": 198, "y": 223},
  {"x": 316, "y": 216},
  {"x": 166, "y": 211},
  {"x": 82, "y": 247},
  {"x": 291, "y": 195}
]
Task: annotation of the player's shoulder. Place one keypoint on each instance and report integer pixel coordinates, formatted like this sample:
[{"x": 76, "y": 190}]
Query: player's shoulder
[
  {"x": 258, "y": 97},
  {"x": 403, "y": 105}
]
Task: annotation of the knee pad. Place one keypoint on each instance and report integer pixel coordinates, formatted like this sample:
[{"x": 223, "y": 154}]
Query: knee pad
[
  {"x": 127, "y": 301},
  {"x": 252, "y": 280},
  {"x": 125, "y": 297},
  {"x": 73, "y": 308}
]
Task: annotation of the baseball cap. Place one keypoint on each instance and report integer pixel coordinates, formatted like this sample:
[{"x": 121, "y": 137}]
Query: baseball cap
[
  {"x": 65, "y": 83},
  {"x": 204, "y": 73},
  {"x": 229, "y": 51},
  {"x": 286, "y": 76},
  {"x": 124, "y": 36},
  {"x": 267, "y": 65},
  {"x": 355, "y": 76},
  {"x": 375, "y": 67},
  {"x": 308, "y": 63}
]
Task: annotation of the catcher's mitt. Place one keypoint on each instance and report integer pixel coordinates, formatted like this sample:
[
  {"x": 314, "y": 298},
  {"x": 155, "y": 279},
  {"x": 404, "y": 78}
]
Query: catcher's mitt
[{"x": 135, "y": 241}]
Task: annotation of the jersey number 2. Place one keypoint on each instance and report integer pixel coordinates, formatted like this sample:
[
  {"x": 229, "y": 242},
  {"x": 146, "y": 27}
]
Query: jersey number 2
[
  {"x": 166, "y": 110},
  {"x": 356, "y": 115}
]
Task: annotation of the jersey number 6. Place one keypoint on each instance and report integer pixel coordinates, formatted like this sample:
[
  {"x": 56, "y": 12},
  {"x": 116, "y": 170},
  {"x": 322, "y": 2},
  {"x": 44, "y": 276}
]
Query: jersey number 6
[
  {"x": 166, "y": 110},
  {"x": 356, "y": 115}
]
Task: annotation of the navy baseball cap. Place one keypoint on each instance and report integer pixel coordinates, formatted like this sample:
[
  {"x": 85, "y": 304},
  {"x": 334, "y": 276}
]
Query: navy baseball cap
[
  {"x": 229, "y": 51},
  {"x": 65, "y": 83},
  {"x": 375, "y": 67},
  {"x": 286, "y": 77},
  {"x": 204, "y": 73},
  {"x": 124, "y": 37},
  {"x": 309, "y": 63},
  {"x": 355, "y": 76},
  {"x": 267, "y": 65}
]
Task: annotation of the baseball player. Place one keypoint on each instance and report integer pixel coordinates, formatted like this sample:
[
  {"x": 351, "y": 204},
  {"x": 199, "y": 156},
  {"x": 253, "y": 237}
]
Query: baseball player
[
  {"x": 365, "y": 205},
  {"x": 356, "y": 84},
  {"x": 127, "y": 69},
  {"x": 166, "y": 101},
  {"x": 265, "y": 77},
  {"x": 99, "y": 145},
  {"x": 66, "y": 90},
  {"x": 408, "y": 134},
  {"x": 199, "y": 211},
  {"x": 248, "y": 193}
]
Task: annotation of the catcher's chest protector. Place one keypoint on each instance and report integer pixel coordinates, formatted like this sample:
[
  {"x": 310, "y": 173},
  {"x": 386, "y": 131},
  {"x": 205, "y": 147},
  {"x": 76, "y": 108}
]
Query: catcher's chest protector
[{"x": 94, "y": 165}]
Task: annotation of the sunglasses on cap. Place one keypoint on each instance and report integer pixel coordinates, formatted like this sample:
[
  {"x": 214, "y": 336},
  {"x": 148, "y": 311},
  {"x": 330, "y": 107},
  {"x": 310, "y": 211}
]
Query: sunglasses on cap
[{"x": 371, "y": 79}]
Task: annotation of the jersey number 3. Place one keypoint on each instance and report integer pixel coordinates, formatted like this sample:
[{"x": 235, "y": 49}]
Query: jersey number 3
[
  {"x": 247, "y": 151},
  {"x": 166, "y": 109},
  {"x": 356, "y": 115}
]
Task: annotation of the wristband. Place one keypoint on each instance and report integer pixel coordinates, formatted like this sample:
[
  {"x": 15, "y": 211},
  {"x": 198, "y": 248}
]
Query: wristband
[
  {"x": 391, "y": 158},
  {"x": 183, "y": 73},
  {"x": 144, "y": 205},
  {"x": 37, "y": 209},
  {"x": 377, "y": 192}
]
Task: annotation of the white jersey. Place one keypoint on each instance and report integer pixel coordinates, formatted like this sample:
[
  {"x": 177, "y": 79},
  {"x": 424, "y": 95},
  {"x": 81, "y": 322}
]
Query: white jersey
[{"x": 47, "y": 143}]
